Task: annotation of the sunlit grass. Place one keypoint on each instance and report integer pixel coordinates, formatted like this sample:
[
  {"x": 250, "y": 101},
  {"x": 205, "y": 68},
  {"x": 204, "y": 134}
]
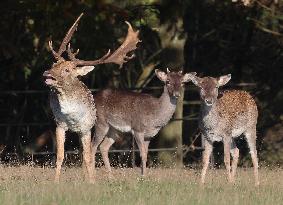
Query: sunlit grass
[{"x": 28, "y": 185}]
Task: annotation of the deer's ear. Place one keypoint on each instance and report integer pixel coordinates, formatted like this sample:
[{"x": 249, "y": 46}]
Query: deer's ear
[
  {"x": 161, "y": 75},
  {"x": 188, "y": 76},
  {"x": 81, "y": 71},
  {"x": 196, "y": 80},
  {"x": 222, "y": 80}
]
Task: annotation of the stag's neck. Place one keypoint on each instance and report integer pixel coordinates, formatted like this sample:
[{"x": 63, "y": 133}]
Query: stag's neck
[
  {"x": 73, "y": 96},
  {"x": 72, "y": 91},
  {"x": 167, "y": 106}
]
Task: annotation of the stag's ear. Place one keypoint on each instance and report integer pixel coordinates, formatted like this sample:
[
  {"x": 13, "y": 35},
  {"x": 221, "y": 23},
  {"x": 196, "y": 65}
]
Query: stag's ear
[
  {"x": 161, "y": 75},
  {"x": 222, "y": 80},
  {"x": 188, "y": 76},
  {"x": 81, "y": 71}
]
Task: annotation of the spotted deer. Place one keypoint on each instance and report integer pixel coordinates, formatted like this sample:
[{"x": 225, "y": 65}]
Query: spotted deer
[
  {"x": 224, "y": 117},
  {"x": 71, "y": 101},
  {"x": 141, "y": 114}
]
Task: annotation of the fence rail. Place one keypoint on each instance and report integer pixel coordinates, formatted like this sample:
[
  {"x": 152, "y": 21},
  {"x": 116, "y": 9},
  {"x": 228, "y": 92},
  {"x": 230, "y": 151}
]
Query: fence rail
[
  {"x": 133, "y": 88},
  {"x": 185, "y": 149}
]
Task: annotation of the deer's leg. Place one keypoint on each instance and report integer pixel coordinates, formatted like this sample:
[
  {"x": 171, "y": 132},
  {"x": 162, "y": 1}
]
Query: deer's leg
[
  {"x": 104, "y": 148},
  {"x": 146, "y": 144},
  {"x": 60, "y": 140},
  {"x": 139, "y": 137},
  {"x": 235, "y": 155},
  {"x": 108, "y": 141},
  {"x": 87, "y": 155},
  {"x": 101, "y": 130},
  {"x": 227, "y": 158},
  {"x": 208, "y": 146},
  {"x": 251, "y": 139}
]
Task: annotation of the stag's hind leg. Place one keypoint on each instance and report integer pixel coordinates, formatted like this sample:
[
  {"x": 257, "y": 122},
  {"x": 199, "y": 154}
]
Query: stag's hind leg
[
  {"x": 251, "y": 139},
  {"x": 60, "y": 140},
  {"x": 235, "y": 155}
]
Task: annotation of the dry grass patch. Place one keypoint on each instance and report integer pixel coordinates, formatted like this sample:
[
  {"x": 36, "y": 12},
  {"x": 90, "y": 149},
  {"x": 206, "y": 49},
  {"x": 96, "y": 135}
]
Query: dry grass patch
[{"x": 28, "y": 185}]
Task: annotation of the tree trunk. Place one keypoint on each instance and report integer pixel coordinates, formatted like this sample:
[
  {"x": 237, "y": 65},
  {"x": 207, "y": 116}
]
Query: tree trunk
[{"x": 173, "y": 57}]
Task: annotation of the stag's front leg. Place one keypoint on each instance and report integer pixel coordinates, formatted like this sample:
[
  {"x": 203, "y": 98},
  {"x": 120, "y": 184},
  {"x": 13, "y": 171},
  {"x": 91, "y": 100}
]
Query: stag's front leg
[
  {"x": 139, "y": 137},
  {"x": 87, "y": 155},
  {"x": 60, "y": 140},
  {"x": 208, "y": 146}
]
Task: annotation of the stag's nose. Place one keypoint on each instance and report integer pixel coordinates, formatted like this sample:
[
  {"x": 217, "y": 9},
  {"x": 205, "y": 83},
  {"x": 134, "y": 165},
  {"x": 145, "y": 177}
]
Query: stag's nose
[{"x": 46, "y": 73}]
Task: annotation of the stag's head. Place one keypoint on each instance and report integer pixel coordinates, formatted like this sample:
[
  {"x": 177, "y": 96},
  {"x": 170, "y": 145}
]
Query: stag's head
[
  {"x": 174, "y": 81},
  {"x": 65, "y": 72},
  {"x": 209, "y": 87}
]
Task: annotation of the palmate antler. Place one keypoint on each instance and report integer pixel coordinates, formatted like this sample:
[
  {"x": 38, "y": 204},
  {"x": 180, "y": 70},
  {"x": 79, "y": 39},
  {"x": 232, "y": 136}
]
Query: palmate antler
[
  {"x": 65, "y": 41},
  {"x": 119, "y": 56}
]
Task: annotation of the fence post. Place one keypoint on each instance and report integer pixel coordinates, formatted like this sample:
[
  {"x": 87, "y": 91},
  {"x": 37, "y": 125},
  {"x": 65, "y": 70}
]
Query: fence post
[
  {"x": 179, "y": 131},
  {"x": 133, "y": 157}
]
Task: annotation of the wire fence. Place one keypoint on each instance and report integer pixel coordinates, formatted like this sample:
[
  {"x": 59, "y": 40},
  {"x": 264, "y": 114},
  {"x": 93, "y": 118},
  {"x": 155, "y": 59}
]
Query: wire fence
[{"x": 185, "y": 149}]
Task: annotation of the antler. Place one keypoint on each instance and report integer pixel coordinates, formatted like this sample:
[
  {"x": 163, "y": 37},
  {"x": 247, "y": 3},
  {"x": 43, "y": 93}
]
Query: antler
[
  {"x": 65, "y": 41},
  {"x": 119, "y": 56}
]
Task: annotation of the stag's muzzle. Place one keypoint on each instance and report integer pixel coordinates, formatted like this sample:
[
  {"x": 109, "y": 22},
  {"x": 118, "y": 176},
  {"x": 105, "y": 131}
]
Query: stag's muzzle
[{"x": 49, "y": 79}]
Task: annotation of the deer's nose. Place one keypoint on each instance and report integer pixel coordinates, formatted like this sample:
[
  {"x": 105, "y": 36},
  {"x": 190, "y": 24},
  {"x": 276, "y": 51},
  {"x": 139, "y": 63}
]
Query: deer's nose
[
  {"x": 208, "y": 102},
  {"x": 176, "y": 94}
]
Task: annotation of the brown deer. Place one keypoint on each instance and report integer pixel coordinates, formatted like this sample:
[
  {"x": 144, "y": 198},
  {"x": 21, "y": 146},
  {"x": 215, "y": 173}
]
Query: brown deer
[
  {"x": 141, "y": 114},
  {"x": 225, "y": 117},
  {"x": 71, "y": 101}
]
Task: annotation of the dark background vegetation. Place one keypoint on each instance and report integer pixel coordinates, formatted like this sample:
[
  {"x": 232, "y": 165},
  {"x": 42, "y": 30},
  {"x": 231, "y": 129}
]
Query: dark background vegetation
[{"x": 211, "y": 37}]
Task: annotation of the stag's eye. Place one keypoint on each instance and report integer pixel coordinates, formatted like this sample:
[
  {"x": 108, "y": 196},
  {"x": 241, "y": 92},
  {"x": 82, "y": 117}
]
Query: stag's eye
[{"x": 67, "y": 70}]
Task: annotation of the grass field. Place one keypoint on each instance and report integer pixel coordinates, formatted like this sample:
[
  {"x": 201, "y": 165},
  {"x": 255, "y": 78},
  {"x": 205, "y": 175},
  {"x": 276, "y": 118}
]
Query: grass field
[{"x": 28, "y": 185}]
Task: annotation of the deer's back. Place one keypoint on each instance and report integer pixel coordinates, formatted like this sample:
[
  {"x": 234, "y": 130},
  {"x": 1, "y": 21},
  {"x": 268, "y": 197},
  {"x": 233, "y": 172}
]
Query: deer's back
[
  {"x": 125, "y": 110},
  {"x": 234, "y": 112}
]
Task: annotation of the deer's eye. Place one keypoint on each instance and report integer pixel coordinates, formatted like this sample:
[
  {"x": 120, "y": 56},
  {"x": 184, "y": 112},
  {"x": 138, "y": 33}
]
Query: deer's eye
[{"x": 67, "y": 70}]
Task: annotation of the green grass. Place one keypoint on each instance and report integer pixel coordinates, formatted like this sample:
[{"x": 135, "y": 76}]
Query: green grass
[{"x": 28, "y": 185}]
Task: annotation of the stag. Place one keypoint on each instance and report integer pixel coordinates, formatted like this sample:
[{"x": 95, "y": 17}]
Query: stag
[
  {"x": 225, "y": 117},
  {"x": 140, "y": 114},
  {"x": 71, "y": 101}
]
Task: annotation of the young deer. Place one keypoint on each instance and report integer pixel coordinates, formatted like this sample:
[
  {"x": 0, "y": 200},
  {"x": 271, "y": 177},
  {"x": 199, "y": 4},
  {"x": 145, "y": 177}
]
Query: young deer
[
  {"x": 71, "y": 101},
  {"x": 141, "y": 114},
  {"x": 225, "y": 117}
]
